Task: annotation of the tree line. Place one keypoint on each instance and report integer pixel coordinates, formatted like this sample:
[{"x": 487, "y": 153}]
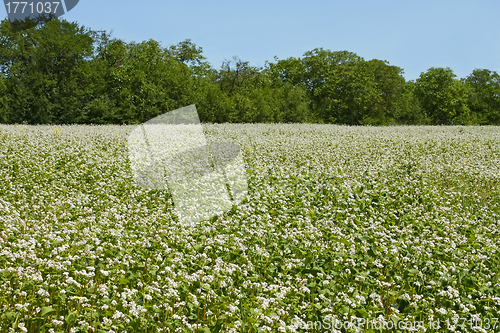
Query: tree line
[{"x": 63, "y": 73}]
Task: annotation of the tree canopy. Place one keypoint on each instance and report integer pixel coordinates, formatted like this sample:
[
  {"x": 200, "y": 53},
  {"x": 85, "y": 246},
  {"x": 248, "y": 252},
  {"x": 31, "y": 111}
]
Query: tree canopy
[{"x": 61, "y": 72}]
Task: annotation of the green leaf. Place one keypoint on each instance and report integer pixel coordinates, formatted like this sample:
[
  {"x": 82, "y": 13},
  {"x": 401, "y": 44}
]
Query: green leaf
[
  {"x": 8, "y": 315},
  {"x": 46, "y": 310},
  {"x": 344, "y": 309},
  {"x": 395, "y": 319},
  {"x": 70, "y": 318},
  {"x": 204, "y": 330},
  {"x": 362, "y": 312}
]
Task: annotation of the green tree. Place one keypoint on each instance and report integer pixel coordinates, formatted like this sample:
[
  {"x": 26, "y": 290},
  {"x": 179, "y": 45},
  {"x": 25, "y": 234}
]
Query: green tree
[
  {"x": 291, "y": 70},
  {"x": 3, "y": 100},
  {"x": 136, "y": 82},
  {"x": 344, "y": 88},
  {"x": 44, "y": 71},
  {"x": 60, "y": 72},
  {"x": 408, "y": 110},
  {"x": 236, "y": 75},
  {"x": 151, "y": 82},
  {"x": 336, "y": 85},
  {"x": 103, "y": 105},
  {"x": 245, "y": 87},
  {"x": 289, "y": 77},
  {"x": 188, "y": 53},
  {"x": 390, "y": 90},
  {"x": 293, "y": 105},
  {"x": 484, "y": 98},
  {"x": 443, "y": 97}
]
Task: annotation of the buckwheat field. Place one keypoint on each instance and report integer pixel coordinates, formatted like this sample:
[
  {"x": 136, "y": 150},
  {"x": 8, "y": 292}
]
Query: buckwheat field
[{"x": 345, "y": 229}]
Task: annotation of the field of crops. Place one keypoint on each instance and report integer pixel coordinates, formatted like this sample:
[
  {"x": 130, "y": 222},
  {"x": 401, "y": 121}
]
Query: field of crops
[{"x": 345, "y": 229}]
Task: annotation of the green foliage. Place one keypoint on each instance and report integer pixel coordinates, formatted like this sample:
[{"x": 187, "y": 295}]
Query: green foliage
[
  {"x": 44, "y": 71},
  {"x": 151, "y": 82},
  {"x": 61, "y": 73},
  {"x": 338, "y": 91},
  {"x": 389, "y": 94},
  {"x": 288, "y": 77},
  {"x": 484, "y": 98},
  {"x": 344, "y": 88},
  {"x": 3, "y": 99},
  {"x": 407, "y": 110},
  {"x": 253, "y": 95},
  {"x": 392, "y": 224},
  {"x": 443, "y": 97},
  {"x": 293, "y": 106},
  {"x": 188, "y": 53}
]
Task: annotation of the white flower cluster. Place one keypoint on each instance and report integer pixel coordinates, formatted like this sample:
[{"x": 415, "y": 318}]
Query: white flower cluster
[{"x": 340, "y": 221}]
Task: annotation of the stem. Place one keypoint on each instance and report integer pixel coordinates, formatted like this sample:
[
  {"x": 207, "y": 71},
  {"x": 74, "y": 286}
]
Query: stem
[
  {"x": 144, "y": 270},
  {"x": 412, "y": 298},
  {"x": 146, "y": 264},
  {"x": 204, "y": 311},
  {"x": 198, "y": 318},
  {"x": 387, "y": 306}
]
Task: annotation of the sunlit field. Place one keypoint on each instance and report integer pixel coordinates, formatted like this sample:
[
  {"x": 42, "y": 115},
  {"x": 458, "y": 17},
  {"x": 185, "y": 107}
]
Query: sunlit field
[{"x": 345, "y": 229}]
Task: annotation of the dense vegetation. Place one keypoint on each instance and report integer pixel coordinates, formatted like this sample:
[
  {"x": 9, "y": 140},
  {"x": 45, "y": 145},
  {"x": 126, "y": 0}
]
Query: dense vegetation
[
  {"x": 61, "y": 72},
  {"x": 393, "y": 225}
]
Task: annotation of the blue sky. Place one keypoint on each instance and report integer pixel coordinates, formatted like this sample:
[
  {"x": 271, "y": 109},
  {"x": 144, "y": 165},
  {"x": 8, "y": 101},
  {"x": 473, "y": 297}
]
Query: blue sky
[{"x": 414, "y": 35}]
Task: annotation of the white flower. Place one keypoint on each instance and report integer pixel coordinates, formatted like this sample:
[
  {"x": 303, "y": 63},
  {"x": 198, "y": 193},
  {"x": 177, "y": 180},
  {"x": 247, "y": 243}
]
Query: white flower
[{"x": 22, "y": 327}]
